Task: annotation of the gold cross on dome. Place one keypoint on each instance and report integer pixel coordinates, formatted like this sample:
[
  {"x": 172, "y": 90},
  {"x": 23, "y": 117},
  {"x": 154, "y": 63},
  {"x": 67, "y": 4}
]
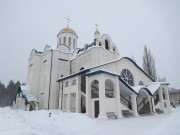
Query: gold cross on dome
[
  {"x": 96, "y": 26},
  {"x": 68, "y": 19}
]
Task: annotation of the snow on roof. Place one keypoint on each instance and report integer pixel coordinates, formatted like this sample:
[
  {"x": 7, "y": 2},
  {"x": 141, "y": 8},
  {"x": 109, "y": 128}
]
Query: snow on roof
[
  {"x": 27, "y": 93},
  {"x": 25, "y": 87},
  {"x": 105, "y": 71},
  {"x": 152, "y": 86},
  {"x": 160, "y": 83},
  {"x": 137, "y": 88}
]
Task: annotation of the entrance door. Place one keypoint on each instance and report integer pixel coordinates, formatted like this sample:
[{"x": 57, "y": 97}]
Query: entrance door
[{"x": 96, "y": 108}]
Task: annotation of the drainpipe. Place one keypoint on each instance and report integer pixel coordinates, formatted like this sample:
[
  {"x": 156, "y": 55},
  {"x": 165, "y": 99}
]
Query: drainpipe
[{"x": 50, "y": 78}]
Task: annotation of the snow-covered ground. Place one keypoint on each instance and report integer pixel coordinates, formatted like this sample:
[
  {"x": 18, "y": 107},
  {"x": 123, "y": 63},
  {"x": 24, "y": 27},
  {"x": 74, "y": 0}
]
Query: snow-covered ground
[{"x": 16, "y": 122}]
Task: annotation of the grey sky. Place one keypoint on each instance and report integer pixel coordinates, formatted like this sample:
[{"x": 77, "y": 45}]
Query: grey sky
[{"x": 32, "y": 24}]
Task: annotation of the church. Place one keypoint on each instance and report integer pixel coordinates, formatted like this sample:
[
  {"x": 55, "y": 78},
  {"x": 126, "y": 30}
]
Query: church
[{"x": 94, "y": 80}]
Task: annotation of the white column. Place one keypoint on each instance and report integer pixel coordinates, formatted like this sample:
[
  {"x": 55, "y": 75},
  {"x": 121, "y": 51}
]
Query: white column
[
  {"x": 153, "y": 106},
  {"x": 88, "y": 96},
  {"x": 28, "y": 107},
  {"x": 167, "y": 100},
  {"x": 17, "y": 101},
  {"x": 14, "y": 104},
  {"x": 23, "y": 104},
  {"x": 150, "y": 104},
  {"x": 36, "y": 106},
  {"x": 102, "y": 101},
  {"x": 118, "y": 100},
  {"x": 78, "y": 96},
  {"x": 161, "y": 99},
  {"x": 78, "y": 101},
  {"x": 20, "y": 101},
  {"x": 60, "y": 96},
  {"x": 134, "y": 104},
  {"x": 68, "y": 104}
]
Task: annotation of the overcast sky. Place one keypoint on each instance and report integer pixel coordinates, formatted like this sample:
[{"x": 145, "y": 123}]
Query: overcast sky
[{"x": 32, "y": 24}]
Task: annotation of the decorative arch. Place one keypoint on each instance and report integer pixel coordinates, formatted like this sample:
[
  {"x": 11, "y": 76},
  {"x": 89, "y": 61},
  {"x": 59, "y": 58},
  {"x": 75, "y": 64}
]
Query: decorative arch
[
  {"x": 144, "y": 102},
  {"x": 127, "y": 76},
  {"x": 95, "y": 89},
  {"x": 109, "y": 89}
]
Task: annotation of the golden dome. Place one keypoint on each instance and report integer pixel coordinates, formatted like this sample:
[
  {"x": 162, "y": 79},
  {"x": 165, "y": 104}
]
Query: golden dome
[
  {"x": 67, "y": 30},
  {"x": 96, "y": 32}
]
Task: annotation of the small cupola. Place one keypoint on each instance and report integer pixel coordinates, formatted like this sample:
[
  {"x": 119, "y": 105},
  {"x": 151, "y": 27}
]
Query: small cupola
[{"x": 96, "y": 33}]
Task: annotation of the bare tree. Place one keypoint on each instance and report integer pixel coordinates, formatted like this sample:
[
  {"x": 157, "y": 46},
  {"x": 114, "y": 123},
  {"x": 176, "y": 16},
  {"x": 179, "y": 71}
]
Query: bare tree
[{"x": 149, "y": 63}]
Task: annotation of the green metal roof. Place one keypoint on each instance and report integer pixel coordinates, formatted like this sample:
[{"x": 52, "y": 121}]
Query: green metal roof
[
  {"x": 27, "y": 93},
  {"x": 29, "y": 96}
]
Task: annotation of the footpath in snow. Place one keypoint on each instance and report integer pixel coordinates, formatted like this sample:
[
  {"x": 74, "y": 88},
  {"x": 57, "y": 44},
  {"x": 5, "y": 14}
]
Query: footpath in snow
[{"x": 17, "y": 122}]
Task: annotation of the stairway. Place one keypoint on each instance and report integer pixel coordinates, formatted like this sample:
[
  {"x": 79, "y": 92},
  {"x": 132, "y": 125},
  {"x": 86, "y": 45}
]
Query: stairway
[
  {"x": 126, "y": 102},
  {"x": 145, "y": 109}
]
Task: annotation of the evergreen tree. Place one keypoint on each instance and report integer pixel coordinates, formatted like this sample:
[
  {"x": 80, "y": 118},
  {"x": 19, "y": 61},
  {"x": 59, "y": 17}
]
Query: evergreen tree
[{"x": 8, "y": 94}]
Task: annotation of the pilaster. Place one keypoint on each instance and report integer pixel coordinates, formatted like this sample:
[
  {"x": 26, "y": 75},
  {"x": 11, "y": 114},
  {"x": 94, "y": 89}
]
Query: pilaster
[{"x": 118, "y": 100}]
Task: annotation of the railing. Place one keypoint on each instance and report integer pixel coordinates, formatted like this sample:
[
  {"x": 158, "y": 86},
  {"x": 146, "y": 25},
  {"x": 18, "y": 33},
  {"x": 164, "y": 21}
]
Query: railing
[
  {"x": 142, "y": 104},
  {"x": 128, "y": 104},
  {"x": 143, "y": 101},
  {"x": 109, "y": 96}
]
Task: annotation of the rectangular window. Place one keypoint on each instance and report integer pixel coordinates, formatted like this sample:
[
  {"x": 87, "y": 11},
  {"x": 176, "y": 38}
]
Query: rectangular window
[
  {"x": 64, "y": 40},
  {"x": 69, "y": 42}
]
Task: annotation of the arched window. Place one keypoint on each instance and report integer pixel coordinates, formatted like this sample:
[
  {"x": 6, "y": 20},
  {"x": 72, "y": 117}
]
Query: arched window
[
  {"x": 127, "y": 76},
  {"x": 95, "y": 89},
  {"x": 106, "y": 45},
  {"x": 64, "y": 40},
  {"x": 141, "y": 83},
  {"x": 73, "y": 82},
  {"x": 109, "y": 89},
  {"x": 66, "y": 84},
  {"x": 69, "y": 43}
]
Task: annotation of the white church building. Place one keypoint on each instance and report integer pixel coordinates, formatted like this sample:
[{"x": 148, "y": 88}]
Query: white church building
[{"x": 94, "y": 80}]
